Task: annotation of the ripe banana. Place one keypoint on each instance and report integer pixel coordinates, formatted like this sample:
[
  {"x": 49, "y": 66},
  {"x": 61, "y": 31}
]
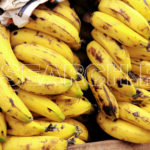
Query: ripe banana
[
  {"x": 82, "y": 130},
  {"x": 48, "y": 22},
  {"x": 127, "y": 15},
  {"x": 24, "y": 35},
  {"x": 139, "y": 52},
  {"x": 61, "y": 130},
  {"x": 35, "y": 143},
  {"x": 76, "y": 62},
  {"x": 117, "y": 30},
  {"x": 145, "y": 106},
  {"x": 3, "y": 128},
  {"x": 44, "y": 57},
  {"x": 134, "y": 114},
  {"x": 115, "y": 76},
  {"x": 72, "y": 106},
  {"x": 1, "y": 146},
  {"x": 11, "y": 104},
  {"x": 47, "y": 107},
  {"x": 116, "y": 50},
  {"x": 140, "y": 66},
  {"x": 18, "y": 128},
  {"x": 75, "y": 141},
  {"x": 142, "y": 6},
  {"x": 105, "y": 99},
  {"x": 9, "y": 64},
  {"x": 123, "y": 130}
]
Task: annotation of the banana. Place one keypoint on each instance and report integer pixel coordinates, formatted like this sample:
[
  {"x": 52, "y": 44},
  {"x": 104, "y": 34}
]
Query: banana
[
  {"x": 139, "y": 52},
  {"x": 61, "y": 130},
  {"x": 47, "y": 107},
  {"x": 24, "y": 35},
  {"x": 75, "y": 141},
  {"x": 76, "y": 62},
  {"x": 11, "y": 104},
  {"x": 116, "y": 50},
  {"x": 35, "y": 143},
  {"x": 116, "y": 78},
  {"x": 66, "y": 13},
  {"x": 1, "y": 146},
  {"x": 117, "y": 30},
  {"x": 83, "y": 132},
  {"x": 134, "y": 114},
  {"x": 82, "y": 82},
  {"x": 45, "y": 21},
  {"x": 105, "y": 99},
  {"x": 72, "y": 106},
  {"x": 140, "y": 66},
  {"x": 18, "y": 128},
  {"x": 145, "y": 106},
  {"x": 9, "y": 64},
  {"x": 141, "y": 96},
  {"x": 44, "y": 57},
  {"x": 142, "y": 6},
  {"x": 123, "y": 130},
  {"x": 127, "y": 15},
  {"x": 3, "y": 128}
]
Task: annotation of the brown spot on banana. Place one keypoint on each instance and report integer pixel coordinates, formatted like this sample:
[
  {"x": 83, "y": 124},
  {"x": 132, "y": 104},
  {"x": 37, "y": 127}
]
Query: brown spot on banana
[
  {"x": 136, "y": 114},
  {"x": 94, "y": 85},
  {"x": 119, "y": 44},
  {"x": 42, "y": 19},
  {"x": 146, "y": 3},
  {"x": 49, "y": 109},
  {"x": 34, "y": 17},
  {"x": 123, "y": 81},
  {"x": 12, "y": 102},
  {"x": 77, "y": 19},
  {"x": 28, "y": 147}
]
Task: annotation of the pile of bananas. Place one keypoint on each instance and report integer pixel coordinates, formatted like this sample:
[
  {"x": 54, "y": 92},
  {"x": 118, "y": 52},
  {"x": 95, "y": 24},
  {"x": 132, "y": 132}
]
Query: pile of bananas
[
  {"x": 41, "y": 89},
  {"x": 119, "y": 75}
]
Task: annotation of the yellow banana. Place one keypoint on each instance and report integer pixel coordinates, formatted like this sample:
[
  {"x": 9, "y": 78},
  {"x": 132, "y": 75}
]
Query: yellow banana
[
  {"x": 61, "y": 130},
  {"x": 141, "y": 96},
  {"x": 139, "y": 52},
  {"x": 123, "y": 130},
  {"x": 115, "y": 76},
  {"x": 35, "y": 143},
  {"x": 11, "y": 104},
  {"x": 9, "y": 64},
  {"x": 140, "y": 66},
  {"x": 3, "y": 128},
  {"x": 24, "y": 35},
  {"x": 18, "y": 128},
  {"x": 45, "y": 21},
  {"x": 75, "y": 141},
  {"x": 41, "y": 105},
  {"x": 44, "y": 57},
  {"x": 83, "y": 132},
  {"x": 142, "y": 6},
  {"x": 134, "y": 114},
  {"x": 72, "y": 106},
  {"x": 105, "y": 99},
  {"x": 127, "y": 15},
  {"x": 117, "y": 30},
  {"x": 116, "y": 50},
  {"x": 145, "y": 106},
  {"x": 76, "y": 62},
  {"x": 1, "y": 146},
  {"x": 66, "y": 13}
]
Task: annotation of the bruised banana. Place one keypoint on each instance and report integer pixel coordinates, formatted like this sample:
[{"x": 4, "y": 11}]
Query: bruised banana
[
  {"x": 45, "y": 21},
  {"x": 117, "y": 78},
  {"x": 66, "y": 13},
  {"x": 44, "y": 57},
  {"x": 123, "y": 130},
  {"x": 127, "y": 15},
  {"x": 117, "y": 30},
  {"x": 105, "y": 99},
  {"x": 61, "y": 130},
  {"x": 134, "y": 114},
  {"x": 141, "y": 96},
  {"x": 116, "y": 50},
  {"x": 72, "y": 106},
  {"x": 11, "y": 104},
  {"x": 3, "y": 128},
  {"x": 82, "y": 130},
  {"x": 41, "y": 105},
  {"x": 18, "y": 128},
  {"x": 24, "y": 35},
  {"x": 9, "y": 64},
  {"x": 139, "y": 52},
  {"x": 75, "y": 141},
  {"x": 35, "y": 143},
  {"x": 142, "y": 6},
  {"x": 140, "y": 66}
]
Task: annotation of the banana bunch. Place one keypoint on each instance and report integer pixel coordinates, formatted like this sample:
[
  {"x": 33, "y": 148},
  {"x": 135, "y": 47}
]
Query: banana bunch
[
  {"x": 41, "y": 87},
  {"x": 119, "y": 75}
]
